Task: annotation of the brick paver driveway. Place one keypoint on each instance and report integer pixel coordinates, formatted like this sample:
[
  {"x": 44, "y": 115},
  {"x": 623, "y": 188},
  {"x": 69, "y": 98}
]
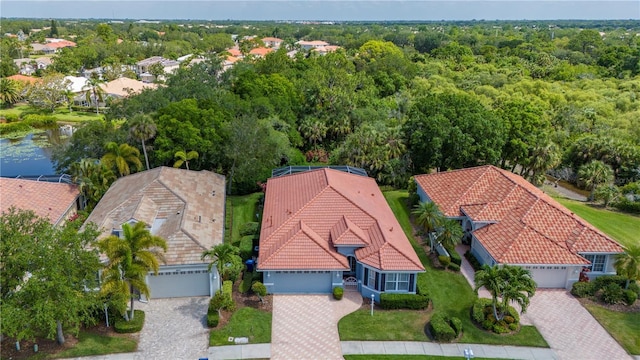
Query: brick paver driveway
[
  {"x": 306, "y": 326},
  {"x": 174, "y": 329},
  {"x": 570, "y": 329}
]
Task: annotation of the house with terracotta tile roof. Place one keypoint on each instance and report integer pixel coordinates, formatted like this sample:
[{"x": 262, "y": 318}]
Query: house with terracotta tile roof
[
  {"x": 507, "y": 220},
  {"x": 272, "y": 42},
  {"x": 326, "y": 228},
  {"x": 186, "y": 208},
  {"x": 56, "y": 201},
  {"x": 124, "y": 87},
  {"x": 260, "y": 51}
]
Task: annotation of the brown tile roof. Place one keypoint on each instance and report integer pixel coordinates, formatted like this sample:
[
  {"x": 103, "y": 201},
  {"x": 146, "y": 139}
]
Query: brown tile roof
[
  {"x": 526, "y": 225},
  {"x": 46, "y": 199},
  {"x": 306, "y": 215},
  {"x": 234, "y": 52},
  {"x": 177, "y": 204}
]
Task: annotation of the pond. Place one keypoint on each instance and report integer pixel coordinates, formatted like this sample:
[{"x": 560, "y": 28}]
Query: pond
[{"x": 30, "y": 155}]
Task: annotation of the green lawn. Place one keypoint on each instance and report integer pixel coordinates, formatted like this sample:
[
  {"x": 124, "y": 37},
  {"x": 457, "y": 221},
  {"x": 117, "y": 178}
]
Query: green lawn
[
  {"x": 450, "y": 293},
  {"x": 246, "y": 322},
  {"x": 402, "y": 325},
  {"x": 622, "y": 227},
  {"x": 406, "y": 357},
  {"x": 243, "y": 210},
  {"x": 90, "y": 344},
  {"x": 623, "y": 326},
  {"x": 61, "y": 113}
]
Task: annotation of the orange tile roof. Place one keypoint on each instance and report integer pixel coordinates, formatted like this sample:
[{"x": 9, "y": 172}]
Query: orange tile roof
[
  {"x": 526, "y": 226},
  {"x": 261, "y": 51},
  {"x": 308, "y": 214},
  {"x": 46, "y": 199},
  {"x": 23, "y": 78},
  {"x": 234, "y": 52}
]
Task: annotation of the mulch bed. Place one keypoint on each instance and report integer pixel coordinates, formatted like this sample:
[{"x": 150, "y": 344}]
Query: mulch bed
[{"x": 615, "y": 307}]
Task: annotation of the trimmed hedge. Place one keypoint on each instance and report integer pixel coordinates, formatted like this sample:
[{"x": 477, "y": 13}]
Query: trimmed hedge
[
  {"x": 629, "y": 297},
  {"x": 444, "y": 260},
  {"x": 482, "y": 314},
  {"x": 475, "y": 264},
  {"x": 250, "y": 228},
  {"x": 582, "y": 289},
  {"x": 455, "y": 257},
  {"x": 404, "y": 301},
  {"x": 441, "y": 329},
  {"x": 456, "y": 325},
  {"x": 127, "y": 327},
  {"x": 454, "y": 267},
  {"x": 227, "y": 288},
  {"x": 213, "y": 319},
  {"x": 338, "y": 292},
  {"x": 246, "y": 247},
  {"x": 602, "y": 282},
  {"x": 626, "y": 205}
]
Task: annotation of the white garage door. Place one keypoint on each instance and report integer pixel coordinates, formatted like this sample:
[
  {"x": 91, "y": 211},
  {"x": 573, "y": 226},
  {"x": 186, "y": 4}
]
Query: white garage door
[
  {"x": 302, "y": 282},
  {"x": 179, "y": 284},
  {"x": 549, "y": 276}
]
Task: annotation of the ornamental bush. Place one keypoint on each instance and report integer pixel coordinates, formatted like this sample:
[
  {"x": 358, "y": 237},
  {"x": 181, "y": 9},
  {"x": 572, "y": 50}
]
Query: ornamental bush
[
  {"x": 475, "y": 264},
  {"x": 213, "y": 319},
  {"x": 456, "y": 325},
  {"x": 250, "y": 228},
  {"x": 582, "y": 289},
  {"x": 338, "y": 292},
  {"x": 454, "y": 267},
  {"x": 404, "y": 301},
  {"x": 629, "y": 297},
  {"x": 246, "y": 247},
  {"x": 444, "y": 260},
  {"x": 455, "y": 257},
  {"x": 441, "y": 329},
  {"x": 601, "y": 282},
  {"x": 612, "y": 294}
]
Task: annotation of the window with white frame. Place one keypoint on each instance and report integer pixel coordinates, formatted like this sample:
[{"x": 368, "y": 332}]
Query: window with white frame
[
  {"x": 597, "y": 262},
  {"x": 372, "y": 279},
  {"x": 399, "y": 282}
]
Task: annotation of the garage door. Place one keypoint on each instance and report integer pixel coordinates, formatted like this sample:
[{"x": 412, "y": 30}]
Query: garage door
[
  {"x": 179, "y": 284},
  {"x": 310, "y": 282},
  {"x": 549, "y": 276}
]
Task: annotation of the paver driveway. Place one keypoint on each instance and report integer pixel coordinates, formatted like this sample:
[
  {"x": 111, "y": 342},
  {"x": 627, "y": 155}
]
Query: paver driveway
[
  {"x": 570, "y": 329},
  {"x": 174, "y": 329},
  {"x": 306, "y": 326}
]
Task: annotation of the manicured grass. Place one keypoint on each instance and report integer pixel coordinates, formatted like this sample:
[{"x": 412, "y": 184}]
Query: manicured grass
[
  {"x": 623, "y": 326},
  {"x": 401, "y": 325},
  {"x": 405, "y": 357},
  {"x": 622, "y": 227},
  {"x": 61, "y": 113},
  {"x": 90, "y": 344},
  {"x": 246, "y": 322},
  {"x": 243, "y": 211},
  {"x": 451, "y": 293}
]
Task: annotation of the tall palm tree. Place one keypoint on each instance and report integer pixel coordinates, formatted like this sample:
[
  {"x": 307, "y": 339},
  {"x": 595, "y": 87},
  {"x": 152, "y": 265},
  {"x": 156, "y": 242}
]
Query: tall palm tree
[
  {"x": 68, "y": 96},
  {"x": 628, "y": 263},
  {"x": 429, "y": 217},
  {"x": 94, "y": 91},
  {"x": 184, "y": 157},
  {"x": 313, "y": 130},
  {"x": 450, "y": 233},
  {"x": 222, "y": 255},
  {"x": 143, "y": 128},
  {"x": 491, "y": 278},
  {"x": 131, "y": 258},
  {"x": 122, "y": 158},
  {"x": 93, "y": 179},
  {"x": 510, "y": 283},
  {"x": 9, "y": 92},
  {"x": 593, "y": 174}
]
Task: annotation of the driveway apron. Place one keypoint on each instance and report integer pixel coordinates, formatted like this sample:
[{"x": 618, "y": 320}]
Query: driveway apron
[
  {"x": 570, "y": 329},
  {"x": 306, "y": 326},
  {"x": 174, "y": 329}
]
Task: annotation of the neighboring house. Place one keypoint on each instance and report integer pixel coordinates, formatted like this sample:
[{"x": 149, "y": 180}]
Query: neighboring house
[
  {"x": 186, "y": 208},
  {"x": 510, "y": 221},
  {"x": 77, "y": 84},
  {"x": 327, "y": 228},
  {"x": 124, "y": 87},
  {"x": 56, "y": 201},
  {"x": 143, "y": 66},
  {"x": 324, "y": 50},
  {"x": 228, "y": 62},
  {"x": 315, "y": 44},
  {"x": 235, "y": 52},
  {"x": 52, "y": 46},
  {"x": 260, "y": 52},
  {"x": 28, "y": 66},
  {"x": 29, "y": 80},
  {"x": 272, "y": 42}
]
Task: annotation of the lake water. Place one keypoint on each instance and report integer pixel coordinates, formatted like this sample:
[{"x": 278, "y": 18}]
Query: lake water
[{"x": 30, "y": 155}]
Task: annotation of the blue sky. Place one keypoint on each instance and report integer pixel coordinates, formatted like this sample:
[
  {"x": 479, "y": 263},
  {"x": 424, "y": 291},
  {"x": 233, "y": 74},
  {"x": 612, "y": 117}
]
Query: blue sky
[{"x": 325, "y": 10}]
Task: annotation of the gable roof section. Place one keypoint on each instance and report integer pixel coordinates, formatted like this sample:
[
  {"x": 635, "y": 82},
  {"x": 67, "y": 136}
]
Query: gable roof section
[
  {"x": 178, "y": 205},
  {"x": 45, "y": 199},
  {"x": 324, "y": 208},
  {"x": 526, "y": 226}
]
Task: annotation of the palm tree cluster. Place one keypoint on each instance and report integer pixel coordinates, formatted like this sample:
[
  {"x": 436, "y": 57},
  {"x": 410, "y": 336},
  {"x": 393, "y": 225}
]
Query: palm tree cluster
[
  {"x": 509, "y": 283},
  {"x": 446, "y": 232}
]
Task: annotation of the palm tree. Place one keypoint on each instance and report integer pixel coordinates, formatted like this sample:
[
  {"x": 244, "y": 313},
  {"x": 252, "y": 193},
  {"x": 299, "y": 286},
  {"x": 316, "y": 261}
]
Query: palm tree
[
  {"x": 9, "y": 92},
  {"x": 628, "y": 263},
  {"x": 606, "y": 193},
  {"x": 593, "y": 174},
  {"x": 450, "y": 233},
  {"x": 121, "y": 158},
  {"x": 511, "y": 283},
  {"x": 429, "y": 217},
  {"x": 221, "y": 256},
  {"x": 313, "y": 130},
  {"x": 131, "y": 258},
  {"x": 143, "y": 128},
  {"x": 93, "y": 179},
  {"x": 69, "y": 95},
  {"x": 184, "y": 158},
  {"x": 94, "y": 91}
]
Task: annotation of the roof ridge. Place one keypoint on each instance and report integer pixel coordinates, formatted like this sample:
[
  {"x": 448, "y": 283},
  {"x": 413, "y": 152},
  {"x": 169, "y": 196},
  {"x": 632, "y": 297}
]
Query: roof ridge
[
  {"x": 487, "y": 167},
  {"x": 317, "y": 239},
  {"x": 419, "y": 264}
]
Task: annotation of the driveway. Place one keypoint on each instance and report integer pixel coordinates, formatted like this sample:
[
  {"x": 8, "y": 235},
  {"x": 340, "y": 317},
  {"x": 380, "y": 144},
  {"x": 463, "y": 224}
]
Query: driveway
[
  {"x": 306, "y": 326},
  {"x": 174, "y": 329},
  {"x": 570, "y": 329}
]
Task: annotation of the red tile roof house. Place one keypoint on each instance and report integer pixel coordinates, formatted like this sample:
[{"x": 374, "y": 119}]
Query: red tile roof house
[
  {"x": 186, "y": 208},
  {"x": 322, "y": 226},
  {"x": 510, "y": 221},
  {"x": 56, "y": 201}
]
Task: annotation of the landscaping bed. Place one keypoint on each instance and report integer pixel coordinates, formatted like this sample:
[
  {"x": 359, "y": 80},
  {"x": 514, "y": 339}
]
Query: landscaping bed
[{"x": 621, "y": 321}]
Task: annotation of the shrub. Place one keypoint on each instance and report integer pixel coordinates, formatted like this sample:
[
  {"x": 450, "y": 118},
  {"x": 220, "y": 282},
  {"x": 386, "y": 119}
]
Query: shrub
[
  {"x": 582, "y": 289},
  {"x": 338, "y": 292},
  {"x": 478, "y": 310},
  {"x": 612, "y": 293},
  {"x": 509, "y": 319},
  {"x": 629, "y": 297},
  {"x": 259, "y": 289},
  {"x": 246, "y": 247},
  {"x": 227, "y": 288},
  {"x": 455, "y": 257},
  {"x": 628, "y": 206},
  {"x": 440, "y": 328},
  {"x": 213, "y": 319},
  {"x": 475, "y": 264},
  {"x": 444, "y": 260},
  {"x": 404, "y": 301},
  {"x": 14, "y": 127},
  {"x": 456, "y": 324},
  {"x": 250, "y": 228},
  {"x": 421, "y": 287},
  {"x": 633, "y": 286},
  {"x": 123, "y": 326},
  {"x": 601, "y": 282},
  {"x": 454, "y": 267},
  {"x": 11, "y": 118},
  {"x": 245, "y": 284},
  {"x": 500, "y": 328},
  {"x": 39, "y": 121}
]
